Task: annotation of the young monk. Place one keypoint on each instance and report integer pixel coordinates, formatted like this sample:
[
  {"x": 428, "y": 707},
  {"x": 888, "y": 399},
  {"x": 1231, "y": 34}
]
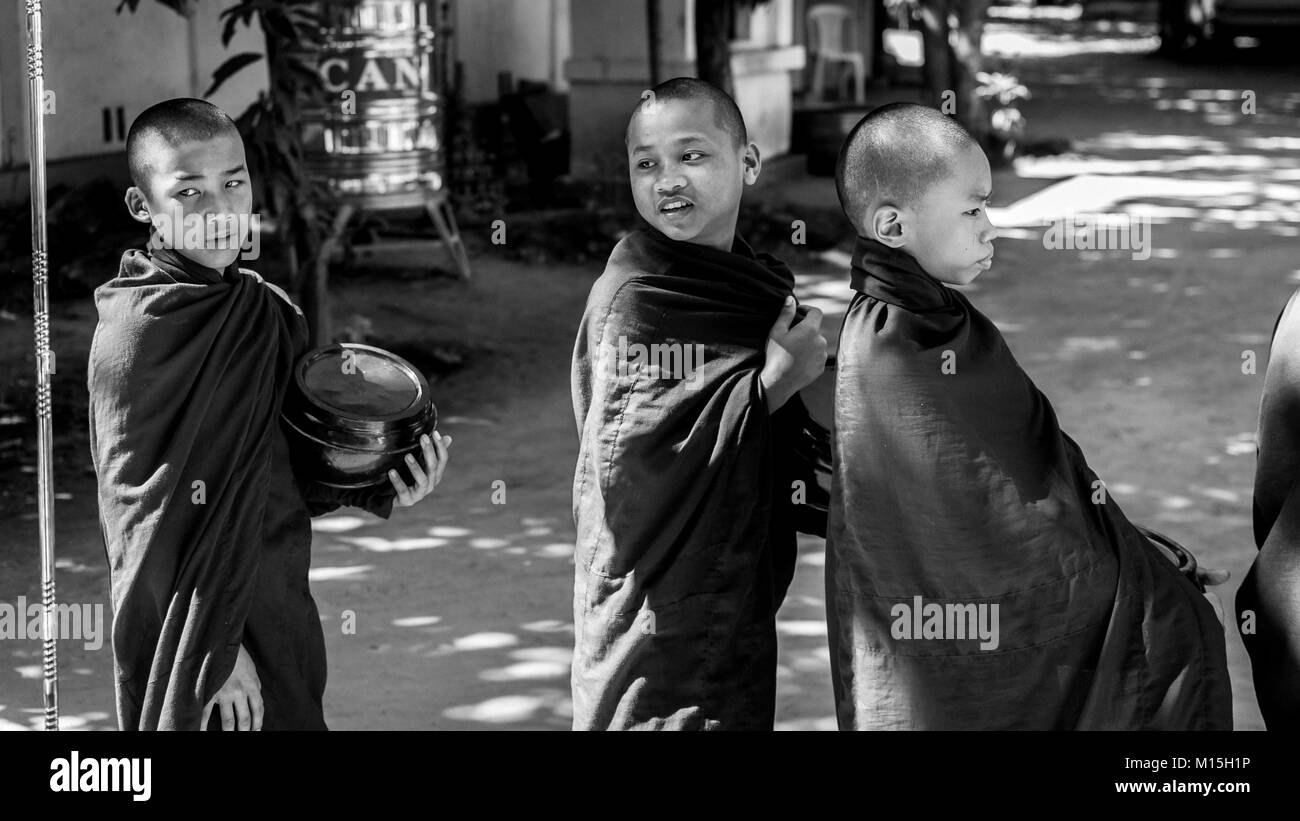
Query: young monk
[
  {"x": 978, "y": 576},
  {"x": 1268, "y": 603},
  {"x": 690, "y": 353},
  {"x": 206, "y": 525}
]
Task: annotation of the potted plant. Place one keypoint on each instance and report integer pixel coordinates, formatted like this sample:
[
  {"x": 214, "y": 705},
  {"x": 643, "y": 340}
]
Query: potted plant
[{"x": 1007, "y": 123}]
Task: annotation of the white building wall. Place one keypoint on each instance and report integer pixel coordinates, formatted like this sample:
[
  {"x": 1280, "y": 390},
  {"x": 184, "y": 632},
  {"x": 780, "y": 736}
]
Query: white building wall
[
  {"x": 528, "y": 38},
  {"x": 95, "y": 59}
]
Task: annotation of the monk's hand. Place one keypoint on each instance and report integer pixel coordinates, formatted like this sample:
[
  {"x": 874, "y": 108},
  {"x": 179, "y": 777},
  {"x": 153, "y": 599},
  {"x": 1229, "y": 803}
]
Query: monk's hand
[
  {"x": 239, "y": 699},
  {"x": 1209, "y": 576},
  {"x": 426, "y": 476},
  {"x": 796, "y": 353}
]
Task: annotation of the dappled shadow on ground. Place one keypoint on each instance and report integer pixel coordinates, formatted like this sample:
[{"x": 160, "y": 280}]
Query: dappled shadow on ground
[
  {"x": 514, "y": 670},
  {"x": 517, "y": 671}
]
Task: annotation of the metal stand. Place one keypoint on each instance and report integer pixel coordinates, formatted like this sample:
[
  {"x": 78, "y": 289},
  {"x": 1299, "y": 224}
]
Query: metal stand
[{"x": 436, "y": 205}]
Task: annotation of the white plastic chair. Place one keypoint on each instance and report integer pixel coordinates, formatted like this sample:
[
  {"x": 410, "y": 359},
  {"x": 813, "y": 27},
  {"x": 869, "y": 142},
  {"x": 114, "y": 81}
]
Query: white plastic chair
[{"x": 832, "y": 40}]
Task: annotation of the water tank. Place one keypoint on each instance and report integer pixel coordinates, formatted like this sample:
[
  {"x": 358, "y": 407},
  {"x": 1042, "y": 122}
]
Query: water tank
[{"x": 377, "y": 141}]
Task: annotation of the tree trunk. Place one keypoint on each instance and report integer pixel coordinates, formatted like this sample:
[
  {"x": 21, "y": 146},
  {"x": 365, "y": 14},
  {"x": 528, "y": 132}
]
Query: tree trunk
[
  {"x": 880, "y": 20},
  {"x": 713, "y": 42},
  {"x": 938, "y": 66},
  {"x": 652, "y": 43},
  {"x": 972, "y": 111},
  {"x": 953, "y": 58}
]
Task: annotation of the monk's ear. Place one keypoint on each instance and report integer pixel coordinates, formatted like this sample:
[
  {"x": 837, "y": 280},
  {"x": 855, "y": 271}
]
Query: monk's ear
[
  {"x": 137, "y": 205},
  {"x": 752, "y": 163},
  {"x": 887, "y": 223}
]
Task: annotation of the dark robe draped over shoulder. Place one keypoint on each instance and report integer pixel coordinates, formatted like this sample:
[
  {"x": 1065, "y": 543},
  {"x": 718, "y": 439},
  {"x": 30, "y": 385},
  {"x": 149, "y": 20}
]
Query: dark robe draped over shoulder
[
  {"x": 206, "y": 525},
  {"x": 955, "y": 489},
  {"x": 682, "y": 495},
  {"x": 1268, "y": 602}
]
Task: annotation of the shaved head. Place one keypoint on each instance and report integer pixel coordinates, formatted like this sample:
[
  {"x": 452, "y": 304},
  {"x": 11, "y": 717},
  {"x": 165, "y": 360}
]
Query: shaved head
[
  {"x": 893, "y": 156},
  {"x": 175, "y": 121},
  {"x": 695, "y": 92}
]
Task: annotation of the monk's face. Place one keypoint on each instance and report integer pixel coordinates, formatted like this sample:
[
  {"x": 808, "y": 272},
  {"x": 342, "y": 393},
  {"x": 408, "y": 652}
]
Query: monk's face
[
  {"x": 687, "y": 172},
  {"x": 947, "y": 229},
  {"x": 197, "y": 197}
]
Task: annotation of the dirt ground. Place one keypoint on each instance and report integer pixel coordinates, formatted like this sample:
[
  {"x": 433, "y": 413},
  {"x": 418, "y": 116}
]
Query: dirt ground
[{"x": 462, "y": 607}]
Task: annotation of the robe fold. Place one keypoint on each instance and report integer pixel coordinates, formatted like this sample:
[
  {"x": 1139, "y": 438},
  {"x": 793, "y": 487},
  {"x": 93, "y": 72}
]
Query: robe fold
[
  {"x": 1268, "y": 601},
  {"x": 978, "y": 574},
  {"x": 684, "y": 496},
  {"x": 206, "y": 525}
]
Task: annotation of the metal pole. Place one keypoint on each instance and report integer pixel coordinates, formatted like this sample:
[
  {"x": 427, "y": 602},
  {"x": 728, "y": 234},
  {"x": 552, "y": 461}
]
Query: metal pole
[{"x": 44, "y": 363}]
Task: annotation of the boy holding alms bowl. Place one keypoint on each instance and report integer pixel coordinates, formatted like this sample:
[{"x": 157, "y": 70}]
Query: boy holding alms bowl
[{"x": 206, "y": 525}]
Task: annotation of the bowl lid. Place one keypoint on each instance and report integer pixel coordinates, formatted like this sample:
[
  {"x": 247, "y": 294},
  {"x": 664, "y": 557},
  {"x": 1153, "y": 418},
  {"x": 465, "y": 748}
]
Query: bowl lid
[{"x": 361, "y": 384}]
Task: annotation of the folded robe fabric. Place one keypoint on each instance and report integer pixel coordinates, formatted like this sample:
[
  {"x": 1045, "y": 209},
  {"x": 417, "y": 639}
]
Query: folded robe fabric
[
  {"x": 205, "y": 524},
  {"x": 1268, "y": 601},
  {"x": 682, "y": 495},
  {"x": 955, "y": 492}
]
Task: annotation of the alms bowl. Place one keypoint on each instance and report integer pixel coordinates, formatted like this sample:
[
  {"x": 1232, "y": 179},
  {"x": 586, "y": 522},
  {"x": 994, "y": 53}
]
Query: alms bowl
[{"x": 353, "y": 412}]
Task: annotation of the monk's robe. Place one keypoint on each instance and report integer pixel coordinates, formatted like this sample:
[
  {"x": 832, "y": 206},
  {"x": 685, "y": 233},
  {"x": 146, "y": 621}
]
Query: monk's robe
[
  {"x": 955, "y": 492},
  {"x": 686, "y": 494},
  {"x": 1268, "y": 602},
  {"x": 206, "y": 524}
]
